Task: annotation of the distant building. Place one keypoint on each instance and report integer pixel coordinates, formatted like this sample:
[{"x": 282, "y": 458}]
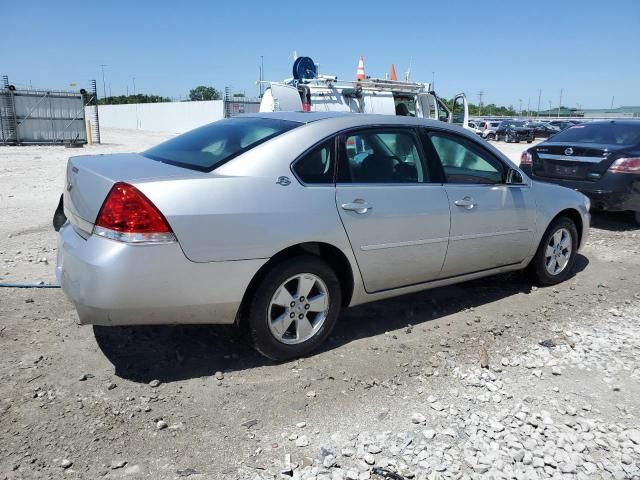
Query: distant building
[{"x": 619, "y": 112}]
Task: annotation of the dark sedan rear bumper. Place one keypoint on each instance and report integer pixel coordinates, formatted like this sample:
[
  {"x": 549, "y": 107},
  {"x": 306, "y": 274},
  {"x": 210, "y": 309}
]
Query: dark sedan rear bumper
[{"x": 614, "y": 191}]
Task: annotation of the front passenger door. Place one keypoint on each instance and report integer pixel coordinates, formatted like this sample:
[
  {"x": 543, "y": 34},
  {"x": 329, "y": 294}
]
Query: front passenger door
[{"x": 492, "y": 222}]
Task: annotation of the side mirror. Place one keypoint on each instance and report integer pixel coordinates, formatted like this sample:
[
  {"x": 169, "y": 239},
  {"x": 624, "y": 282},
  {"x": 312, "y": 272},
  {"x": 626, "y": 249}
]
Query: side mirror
[{"x": 514, "y": 177}]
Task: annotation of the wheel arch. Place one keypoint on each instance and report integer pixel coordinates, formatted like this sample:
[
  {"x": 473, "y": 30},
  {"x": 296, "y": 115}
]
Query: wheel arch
[
  {"x": 575, "y": 216},
  {"x": 327, "y": 252}
]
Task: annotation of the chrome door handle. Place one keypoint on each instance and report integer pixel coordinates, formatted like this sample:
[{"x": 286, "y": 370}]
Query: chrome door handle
[
  {"x": 358, "y": 206},
  {"x": 466, "y": 202}
]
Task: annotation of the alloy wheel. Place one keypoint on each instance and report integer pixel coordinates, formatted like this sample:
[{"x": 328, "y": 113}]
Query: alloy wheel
[
  {"x": 558, "y": 251},
  {"x": 298, "y": 308}
]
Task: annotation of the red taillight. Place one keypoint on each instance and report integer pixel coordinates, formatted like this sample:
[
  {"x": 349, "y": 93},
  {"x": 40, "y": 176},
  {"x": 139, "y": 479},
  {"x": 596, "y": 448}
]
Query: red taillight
[
  {"x": 128, "y": 216},
  {"x": 626, "y": 165},
  {"x": 526, "y": 158}
]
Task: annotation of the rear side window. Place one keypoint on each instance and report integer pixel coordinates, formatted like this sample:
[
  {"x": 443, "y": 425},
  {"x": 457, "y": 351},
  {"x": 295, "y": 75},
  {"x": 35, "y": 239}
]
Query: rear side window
[
  {"x": 318, "y": 165},
  {"x": 206, "y": 148},
  {"x": 384, "y": 156},
  {"x": 464, "y": 162},
  {"x": 604, "y": 133}
]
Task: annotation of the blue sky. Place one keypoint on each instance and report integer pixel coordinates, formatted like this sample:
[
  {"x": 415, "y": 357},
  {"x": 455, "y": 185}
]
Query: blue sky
[{"x": 508, "y": 49}]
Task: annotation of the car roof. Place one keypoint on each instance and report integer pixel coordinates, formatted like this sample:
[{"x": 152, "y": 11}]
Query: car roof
[
  {"x": 300, "y": 117},
  {"x": 350, "y": 120},
  {"x": 635, "y": 123}
]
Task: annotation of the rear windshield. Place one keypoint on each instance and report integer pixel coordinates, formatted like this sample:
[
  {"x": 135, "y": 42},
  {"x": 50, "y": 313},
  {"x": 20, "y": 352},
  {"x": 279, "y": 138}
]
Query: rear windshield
[
  {"x": 206, "y": 148},
  {"x": 604, "y": 133}
]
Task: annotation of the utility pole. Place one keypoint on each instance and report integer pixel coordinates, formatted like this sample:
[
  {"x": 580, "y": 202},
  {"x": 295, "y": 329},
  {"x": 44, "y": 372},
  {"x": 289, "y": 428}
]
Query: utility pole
[
  {"x": 134, "y": 85},
  {"x": 539, "y": 96},
  {"x": 480, "y": 94},
  {"x": 560, "y": 103},
  {"x": 104, "y": 85},
  {"x": 433, "y": 80},
  {"x": 528, "y": 107},
  {"x": 520, "y": 110},
  {"x": 261, "y": 74},
  {"x": 612, "y": 99}
]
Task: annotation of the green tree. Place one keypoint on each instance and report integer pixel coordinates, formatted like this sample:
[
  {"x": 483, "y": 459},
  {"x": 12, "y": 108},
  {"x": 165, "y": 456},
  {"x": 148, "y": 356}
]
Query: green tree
[
  {"x": 203, "y": 93},
  {"x": 138, "y": 98}
]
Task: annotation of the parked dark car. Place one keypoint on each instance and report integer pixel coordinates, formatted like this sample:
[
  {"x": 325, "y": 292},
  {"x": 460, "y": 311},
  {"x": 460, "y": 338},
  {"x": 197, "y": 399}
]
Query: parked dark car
[
  {"x": 514, "y": 131},
  {"x": 543, "y": 130},
  {"x": 600, "y": 159},
  {"x": 562, "y": 124}
]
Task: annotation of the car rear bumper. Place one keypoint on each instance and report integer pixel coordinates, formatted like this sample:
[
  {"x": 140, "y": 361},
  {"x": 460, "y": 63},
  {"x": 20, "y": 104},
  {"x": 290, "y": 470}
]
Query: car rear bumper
[
  {"x": 614, "y": 191},
  {"x": 112, "y": 283}
]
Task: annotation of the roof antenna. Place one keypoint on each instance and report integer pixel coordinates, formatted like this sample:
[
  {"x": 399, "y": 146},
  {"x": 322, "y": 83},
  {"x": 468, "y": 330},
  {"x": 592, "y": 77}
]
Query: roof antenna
[{"x": 407, "y": 76}]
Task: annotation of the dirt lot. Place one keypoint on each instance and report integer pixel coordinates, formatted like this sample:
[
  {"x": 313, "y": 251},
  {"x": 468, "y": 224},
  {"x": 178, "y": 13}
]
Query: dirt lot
[{"x": 399, "y": 384}]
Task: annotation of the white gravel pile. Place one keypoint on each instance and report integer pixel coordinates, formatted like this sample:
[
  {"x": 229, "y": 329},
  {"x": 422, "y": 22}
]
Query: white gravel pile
[{"x": 482, "y": 430}]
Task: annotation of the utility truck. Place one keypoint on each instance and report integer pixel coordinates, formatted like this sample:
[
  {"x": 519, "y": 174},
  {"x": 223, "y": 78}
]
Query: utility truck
[{"x": 309, "y": 91}]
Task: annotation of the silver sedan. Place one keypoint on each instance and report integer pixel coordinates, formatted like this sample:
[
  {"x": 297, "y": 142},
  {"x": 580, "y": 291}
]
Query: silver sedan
[{"x": 277, "y": 221}]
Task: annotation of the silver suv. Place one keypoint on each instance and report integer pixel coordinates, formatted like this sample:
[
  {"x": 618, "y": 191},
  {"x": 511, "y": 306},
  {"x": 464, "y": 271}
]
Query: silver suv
[{"x": 489, "y": 129}]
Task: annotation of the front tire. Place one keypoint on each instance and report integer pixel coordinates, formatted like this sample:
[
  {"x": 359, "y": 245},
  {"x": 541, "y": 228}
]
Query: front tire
[
  {"x": 507, "y": 138},
  {"x": 556, "y": 253},
  {"x": 294, "y": 308}
]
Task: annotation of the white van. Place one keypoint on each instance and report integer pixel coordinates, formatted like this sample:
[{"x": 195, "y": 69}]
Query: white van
[{"x": 319, "y": 93}]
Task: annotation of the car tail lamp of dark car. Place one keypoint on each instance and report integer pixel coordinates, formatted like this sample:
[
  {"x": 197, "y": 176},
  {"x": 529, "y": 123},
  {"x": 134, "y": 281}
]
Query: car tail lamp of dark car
[
  {"x": 626, "y": 165},
  {"x": 526, "y": 158},
  {"x": 127, "y": 215}
]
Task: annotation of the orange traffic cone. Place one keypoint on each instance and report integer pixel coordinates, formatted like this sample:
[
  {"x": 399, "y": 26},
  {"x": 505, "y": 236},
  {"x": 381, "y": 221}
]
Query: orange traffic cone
[
  {"x": 360, "y": 72},
  {"x": 393, "y": 72}
]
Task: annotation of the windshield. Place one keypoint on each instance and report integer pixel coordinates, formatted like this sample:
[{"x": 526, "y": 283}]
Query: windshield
[
  {"x": 208, "y": 147},
  {"x": 602, "y": 133}
]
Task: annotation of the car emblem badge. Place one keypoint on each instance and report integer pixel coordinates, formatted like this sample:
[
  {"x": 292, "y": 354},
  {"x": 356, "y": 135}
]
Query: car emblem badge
[
  {"x": 284, "y": 181},
  {"x": 69, "y": 187},
  {"x": 568, "y": 151}
]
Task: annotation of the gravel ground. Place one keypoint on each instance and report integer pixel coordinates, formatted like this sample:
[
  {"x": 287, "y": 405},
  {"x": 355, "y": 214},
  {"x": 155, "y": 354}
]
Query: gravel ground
[{"x": 400, "y": 384}]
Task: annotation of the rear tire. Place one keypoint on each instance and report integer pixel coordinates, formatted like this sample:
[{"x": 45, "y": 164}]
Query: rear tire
[
  {"x": 491, "y": 136},
  {"x": 294, "y": 308},
  {"x": 556, "y": 254},
  {"x": 507, "y": 138}
]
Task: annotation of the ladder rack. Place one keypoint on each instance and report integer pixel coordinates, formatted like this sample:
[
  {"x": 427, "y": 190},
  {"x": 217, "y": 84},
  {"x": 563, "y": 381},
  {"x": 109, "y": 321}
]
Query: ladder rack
[{"x": 369, "y": 84}]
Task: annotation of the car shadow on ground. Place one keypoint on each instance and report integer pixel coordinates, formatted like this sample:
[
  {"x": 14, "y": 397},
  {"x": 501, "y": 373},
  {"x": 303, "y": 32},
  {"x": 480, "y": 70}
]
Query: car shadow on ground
[
  {"x": 172, "y": 353},
  {"x": 614, "y": 221}
]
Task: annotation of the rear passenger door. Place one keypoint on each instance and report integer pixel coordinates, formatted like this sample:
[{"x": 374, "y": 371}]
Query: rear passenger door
[
  {"x": 492, "y": 222},
  {"x": 396, "y": 217}
]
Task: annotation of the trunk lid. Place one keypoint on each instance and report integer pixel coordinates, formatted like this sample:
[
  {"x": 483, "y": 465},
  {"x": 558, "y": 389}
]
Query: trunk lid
[
  {"x": 576, "y": 161},
  {"x": 89, "y": 179}
]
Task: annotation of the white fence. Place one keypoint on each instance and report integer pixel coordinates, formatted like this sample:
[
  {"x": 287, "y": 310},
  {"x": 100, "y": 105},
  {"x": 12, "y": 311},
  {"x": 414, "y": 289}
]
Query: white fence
[{"x": 175, "y": 117}]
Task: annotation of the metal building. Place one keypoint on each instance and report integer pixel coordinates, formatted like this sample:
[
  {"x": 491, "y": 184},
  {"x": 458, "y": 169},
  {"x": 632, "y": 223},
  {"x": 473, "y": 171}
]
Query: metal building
[{"x": 41, "y": 117}]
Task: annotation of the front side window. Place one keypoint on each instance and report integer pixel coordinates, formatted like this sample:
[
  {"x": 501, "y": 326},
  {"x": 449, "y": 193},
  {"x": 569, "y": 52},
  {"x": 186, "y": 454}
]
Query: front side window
[
  {"x": 384, "y": 156},
  {"x": 465, "y": 162},
  {"x": 317, "y": 166},
  {"x": 206, "y": 148}
]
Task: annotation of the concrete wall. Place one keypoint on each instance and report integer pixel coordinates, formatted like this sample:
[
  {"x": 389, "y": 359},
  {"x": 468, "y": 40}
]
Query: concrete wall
[{"x": 175, "y": 117}]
